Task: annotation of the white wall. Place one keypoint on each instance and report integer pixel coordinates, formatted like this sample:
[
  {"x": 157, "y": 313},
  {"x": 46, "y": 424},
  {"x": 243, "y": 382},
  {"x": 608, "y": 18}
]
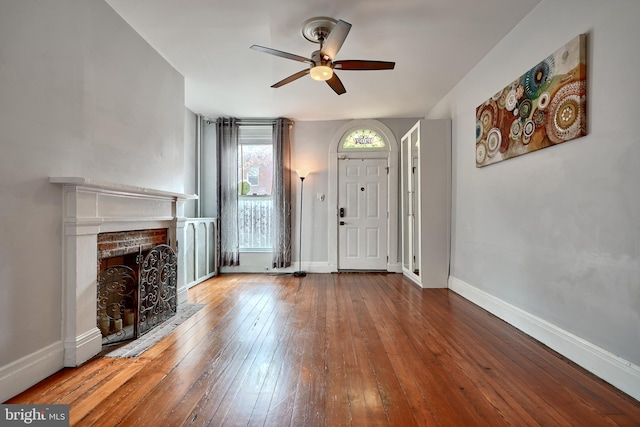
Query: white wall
[
  {"x": 81, "y": 95},
  {"x": 310, "y": 144},
  {"x": 209, "y": 178},
  {"x": 553, "y": 237}
]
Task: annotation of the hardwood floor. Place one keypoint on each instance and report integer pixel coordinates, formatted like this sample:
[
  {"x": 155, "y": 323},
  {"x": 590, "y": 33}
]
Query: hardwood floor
[{"x": 336, "y": 350}]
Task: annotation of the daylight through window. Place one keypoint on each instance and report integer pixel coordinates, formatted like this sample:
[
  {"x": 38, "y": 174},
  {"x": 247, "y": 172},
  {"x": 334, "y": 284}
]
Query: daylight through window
[{"x": 255, "y": 202}]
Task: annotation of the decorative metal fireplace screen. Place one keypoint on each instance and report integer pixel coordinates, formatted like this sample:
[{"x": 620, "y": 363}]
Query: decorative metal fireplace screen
[{"x": 131, "y": 301}]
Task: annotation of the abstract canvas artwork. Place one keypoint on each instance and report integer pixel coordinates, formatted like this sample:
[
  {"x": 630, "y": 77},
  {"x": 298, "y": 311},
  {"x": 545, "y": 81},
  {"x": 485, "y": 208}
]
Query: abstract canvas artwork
[{"x": 545, "y": 106}]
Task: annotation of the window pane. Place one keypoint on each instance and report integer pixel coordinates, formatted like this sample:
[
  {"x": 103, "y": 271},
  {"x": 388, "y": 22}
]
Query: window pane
[
  {"x": 254, "y": 220},
  {"x": 363, "y": 138},
  {"x": 255, "y": 167}
]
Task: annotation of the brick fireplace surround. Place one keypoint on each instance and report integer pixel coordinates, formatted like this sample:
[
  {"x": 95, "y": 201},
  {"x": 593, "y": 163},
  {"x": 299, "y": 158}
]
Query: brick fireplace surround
[{"x": 91, "y": 207}]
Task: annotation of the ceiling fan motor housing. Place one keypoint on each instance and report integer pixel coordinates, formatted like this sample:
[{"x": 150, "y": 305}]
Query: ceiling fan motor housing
[
  {"x": 318, "y": 59},
  {"x": 316, "y": 30}
]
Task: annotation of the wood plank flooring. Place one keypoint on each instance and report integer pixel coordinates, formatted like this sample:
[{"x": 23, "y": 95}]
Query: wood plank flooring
[{"x": 336, "y": 350}]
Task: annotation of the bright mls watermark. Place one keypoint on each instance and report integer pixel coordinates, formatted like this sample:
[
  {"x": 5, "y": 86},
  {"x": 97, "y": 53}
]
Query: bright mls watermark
[{"x": 35, "y": 415}]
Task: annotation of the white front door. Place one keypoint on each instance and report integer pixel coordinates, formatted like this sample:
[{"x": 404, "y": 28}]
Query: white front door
[{"x": 362, "y": 214}]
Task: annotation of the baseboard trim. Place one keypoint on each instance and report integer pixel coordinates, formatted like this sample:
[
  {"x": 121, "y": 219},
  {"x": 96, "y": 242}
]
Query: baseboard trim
[
  {"x": 319, "y": 267},
  {"x": 199, "y": 280},
  {"x": 618, "y": 372},
  {"x": 83, "y": 348},
  {"x": 21, "y": 374},
  {"x": 181, "y": 295},
  {"x": 310, "y": 267},
  {"x": 394, "y": 268}
]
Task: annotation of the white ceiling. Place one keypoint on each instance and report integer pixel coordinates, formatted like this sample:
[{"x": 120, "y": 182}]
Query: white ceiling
[{"x": 433, "y": 42}]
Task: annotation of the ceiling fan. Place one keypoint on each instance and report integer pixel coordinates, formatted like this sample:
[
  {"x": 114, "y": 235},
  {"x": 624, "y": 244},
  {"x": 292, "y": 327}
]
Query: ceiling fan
[{"x": 330, "y": 34}]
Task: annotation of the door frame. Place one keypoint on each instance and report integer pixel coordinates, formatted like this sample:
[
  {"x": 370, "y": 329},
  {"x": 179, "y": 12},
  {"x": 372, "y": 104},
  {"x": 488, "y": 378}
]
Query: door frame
[{"x": 391, "y": 154}]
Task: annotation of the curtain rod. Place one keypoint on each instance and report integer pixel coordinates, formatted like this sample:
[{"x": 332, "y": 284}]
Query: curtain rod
[{"x": 257, "y": 122}]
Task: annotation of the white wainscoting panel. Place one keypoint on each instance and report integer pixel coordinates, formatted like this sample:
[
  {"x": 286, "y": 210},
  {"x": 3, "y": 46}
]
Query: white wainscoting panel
[{"x": 200, "y": 237}]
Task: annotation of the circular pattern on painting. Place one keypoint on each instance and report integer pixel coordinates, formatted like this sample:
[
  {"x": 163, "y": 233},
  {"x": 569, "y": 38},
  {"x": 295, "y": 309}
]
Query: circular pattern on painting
[
  {"x": 487, "y": 118},
  {"x": 511, "y": 101},
  {"x": 567, "y": 113},
  {"x": 516, "y": 129},
  {"x": 538, "y": 117},
  {"x": 543, "y": 100},
  {"x": 478, "y": 130},
  {"x": 481, "y": 153},
  {"x": 524, "y": 109},
  {"x": 494, "y": 139},
  {"x": 528, "y": 128},
  {"x": 502, "y": 101},
  {"x": 535, "y": 80}
]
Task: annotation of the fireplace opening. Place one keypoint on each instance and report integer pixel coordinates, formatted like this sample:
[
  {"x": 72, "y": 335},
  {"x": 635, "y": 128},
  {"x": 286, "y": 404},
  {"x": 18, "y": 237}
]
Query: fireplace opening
[{"x": 137, "y": 283}]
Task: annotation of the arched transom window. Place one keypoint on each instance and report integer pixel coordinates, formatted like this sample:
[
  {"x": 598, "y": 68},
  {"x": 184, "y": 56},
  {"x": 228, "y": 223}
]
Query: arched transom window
[{"x": 363, "y": 139}]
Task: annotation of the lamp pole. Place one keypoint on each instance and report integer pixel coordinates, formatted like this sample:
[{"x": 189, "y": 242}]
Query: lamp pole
[{"x": 302, "y": 174}]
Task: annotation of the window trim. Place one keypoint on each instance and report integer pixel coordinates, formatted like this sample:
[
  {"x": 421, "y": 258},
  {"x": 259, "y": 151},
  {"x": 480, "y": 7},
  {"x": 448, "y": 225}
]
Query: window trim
[{"x": 259, "y": 140}]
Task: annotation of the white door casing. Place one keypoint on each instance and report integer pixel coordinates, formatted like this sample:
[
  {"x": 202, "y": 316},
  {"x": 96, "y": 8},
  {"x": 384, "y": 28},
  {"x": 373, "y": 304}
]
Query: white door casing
[{"x": 362, "y": 207}]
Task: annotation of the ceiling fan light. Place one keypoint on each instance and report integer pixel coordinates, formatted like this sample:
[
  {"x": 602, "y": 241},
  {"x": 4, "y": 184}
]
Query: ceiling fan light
[{"x": 321, "y": 72}]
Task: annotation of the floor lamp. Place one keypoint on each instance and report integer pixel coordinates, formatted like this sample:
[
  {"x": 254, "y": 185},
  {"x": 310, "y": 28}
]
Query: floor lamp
[{"x": 302, "y": 173}]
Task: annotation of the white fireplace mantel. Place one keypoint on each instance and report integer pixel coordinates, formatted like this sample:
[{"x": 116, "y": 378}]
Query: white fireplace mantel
[{"x": 91, "y": 207}]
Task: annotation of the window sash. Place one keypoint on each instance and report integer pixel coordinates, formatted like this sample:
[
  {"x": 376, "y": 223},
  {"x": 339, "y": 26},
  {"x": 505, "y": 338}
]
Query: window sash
[{"x": 255, "y": 223}]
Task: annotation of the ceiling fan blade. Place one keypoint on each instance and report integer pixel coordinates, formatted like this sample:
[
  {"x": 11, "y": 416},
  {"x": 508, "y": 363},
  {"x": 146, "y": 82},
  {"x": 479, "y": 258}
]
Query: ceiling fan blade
[
  {"x": 281, "y": 54},
  {"x": 336, "y": 38},
  {"x": 291, "y": 78},
  {"x": 336, "y": 84},
  {"x": 363, "y": 65}
]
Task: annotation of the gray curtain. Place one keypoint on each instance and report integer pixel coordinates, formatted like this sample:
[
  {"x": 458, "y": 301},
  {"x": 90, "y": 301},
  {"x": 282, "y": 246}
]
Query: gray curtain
[
  {"x": 281, "y": 194},
  {"x": 227, "y": 144}
]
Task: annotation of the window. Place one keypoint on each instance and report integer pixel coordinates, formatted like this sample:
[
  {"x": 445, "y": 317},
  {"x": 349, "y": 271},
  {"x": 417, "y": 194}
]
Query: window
[
  {"x": 253, "y": 176},
  {"x": 363, "y": 138},
  {"x": 255, "y": 202},
  {"x": 255, "y": 168}
]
